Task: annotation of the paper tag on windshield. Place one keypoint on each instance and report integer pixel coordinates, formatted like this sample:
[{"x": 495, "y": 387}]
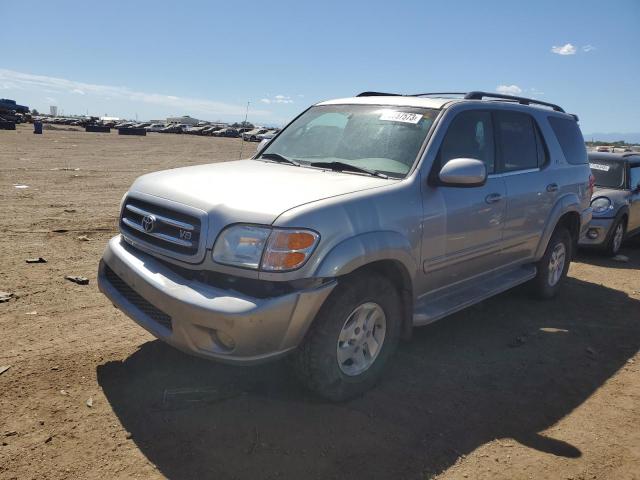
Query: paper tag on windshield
[
  {"x": 393, "y": 116},
  {"x": 597, "y": 166}
]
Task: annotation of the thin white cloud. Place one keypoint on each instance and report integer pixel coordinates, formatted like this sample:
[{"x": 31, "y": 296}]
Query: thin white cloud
[
  {"x": 509, "y": 89},
  {"x": 588, "y": 48},
  {"x": 277, "y": 99},
  {"x": 566, "y": 49},
  {"x": 63, "y": 85}
]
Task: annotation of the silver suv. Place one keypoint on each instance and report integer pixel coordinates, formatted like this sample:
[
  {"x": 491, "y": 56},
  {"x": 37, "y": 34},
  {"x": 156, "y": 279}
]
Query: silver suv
[{"x": 361, "y": 219}]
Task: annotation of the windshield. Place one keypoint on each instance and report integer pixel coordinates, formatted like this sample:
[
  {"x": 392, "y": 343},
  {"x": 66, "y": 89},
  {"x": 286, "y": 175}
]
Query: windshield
[
  {"x": 377, "y": 138},
  {"x": 608, "y": 174}
]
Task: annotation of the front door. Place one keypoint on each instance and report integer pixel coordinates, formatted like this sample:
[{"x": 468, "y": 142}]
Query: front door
[{"x": 470, "y": 218}]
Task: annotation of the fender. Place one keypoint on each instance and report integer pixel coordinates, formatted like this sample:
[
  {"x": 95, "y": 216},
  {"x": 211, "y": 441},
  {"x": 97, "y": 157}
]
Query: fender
[
  {"x": 366, "y": 248},
  {"x": 569, "y": 202}
]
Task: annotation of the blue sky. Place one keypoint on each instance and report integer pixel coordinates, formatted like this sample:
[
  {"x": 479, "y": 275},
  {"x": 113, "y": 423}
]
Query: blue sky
[{"x": 207, "y": 59}]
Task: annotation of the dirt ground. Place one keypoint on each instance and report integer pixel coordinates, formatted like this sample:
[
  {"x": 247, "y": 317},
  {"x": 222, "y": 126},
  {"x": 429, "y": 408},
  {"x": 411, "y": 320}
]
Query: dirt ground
[{"x": 513, "y": 388}]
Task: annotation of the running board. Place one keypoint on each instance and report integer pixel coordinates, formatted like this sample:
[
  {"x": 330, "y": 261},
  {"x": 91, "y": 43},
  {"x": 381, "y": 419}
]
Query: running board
[{"x": 436, "y": 306}]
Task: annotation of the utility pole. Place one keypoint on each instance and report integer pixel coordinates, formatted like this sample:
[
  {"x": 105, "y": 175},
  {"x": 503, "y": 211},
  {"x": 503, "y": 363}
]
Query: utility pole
[{"x": 244, "y": 124}]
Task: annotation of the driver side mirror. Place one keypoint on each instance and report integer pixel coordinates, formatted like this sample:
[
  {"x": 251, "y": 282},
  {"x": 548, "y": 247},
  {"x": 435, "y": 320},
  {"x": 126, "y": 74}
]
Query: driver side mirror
[{"x": 463, "y": 172}]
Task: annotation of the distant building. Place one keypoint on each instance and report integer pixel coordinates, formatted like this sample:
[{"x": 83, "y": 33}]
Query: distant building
[
  {"x": 53, "y": 111},
  {"x": 187, "y": 120},
  {"x": 110, "y": 119}
]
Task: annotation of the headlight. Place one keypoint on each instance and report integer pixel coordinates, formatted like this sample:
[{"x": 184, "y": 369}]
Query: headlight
[
  {"x": 241, "y": 246},
  {"x": 601, "y": 204},
  {"x": 265, "y": 248}
]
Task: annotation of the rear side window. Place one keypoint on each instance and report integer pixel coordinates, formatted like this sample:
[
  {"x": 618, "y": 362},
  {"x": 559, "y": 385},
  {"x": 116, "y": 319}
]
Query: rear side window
[
  {"x": 518, "y": 141},
  {"x": 570, "y": 138}
]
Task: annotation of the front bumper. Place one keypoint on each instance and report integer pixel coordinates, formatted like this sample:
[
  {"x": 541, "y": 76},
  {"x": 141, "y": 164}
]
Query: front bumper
[
  {"x": 194, "y": 316},
  {"x": 597, "y": 233}
]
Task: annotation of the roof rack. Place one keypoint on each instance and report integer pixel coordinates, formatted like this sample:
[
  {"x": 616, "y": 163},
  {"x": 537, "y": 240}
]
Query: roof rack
[
  {"x": 475, "y": 95},
  {"x": 431, "y": 94},
  {"x": 379, "y": 94},
  {"x": 513, "y": 98}
]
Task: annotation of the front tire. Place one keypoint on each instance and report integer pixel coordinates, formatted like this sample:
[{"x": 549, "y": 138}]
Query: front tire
[
  {"x": 554, "y": 264},
  {"x": 352, "y": 338},
  {"x": 615, "y": 239}
]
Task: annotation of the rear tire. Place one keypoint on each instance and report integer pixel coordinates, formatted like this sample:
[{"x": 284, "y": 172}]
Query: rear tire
[
  {"x": 352, "y": 338},
  {"x": 554, "y": 264}
]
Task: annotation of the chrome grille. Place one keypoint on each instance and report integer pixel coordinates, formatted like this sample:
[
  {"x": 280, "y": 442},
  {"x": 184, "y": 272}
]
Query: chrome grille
[{"x": 160, "y": 227}]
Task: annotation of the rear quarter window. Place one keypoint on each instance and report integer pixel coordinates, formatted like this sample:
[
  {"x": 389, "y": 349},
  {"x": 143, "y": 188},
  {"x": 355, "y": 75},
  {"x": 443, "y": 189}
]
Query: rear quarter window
[{"x": 570, "y": 139}]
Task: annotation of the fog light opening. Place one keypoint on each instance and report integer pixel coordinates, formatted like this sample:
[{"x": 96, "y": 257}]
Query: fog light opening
[
  {"x": 223, "y": 341},
  {"x": 592, "y": 233}
]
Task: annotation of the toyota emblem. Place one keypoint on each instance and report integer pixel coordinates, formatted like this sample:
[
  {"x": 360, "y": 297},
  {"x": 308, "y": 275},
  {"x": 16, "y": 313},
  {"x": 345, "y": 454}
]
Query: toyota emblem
[{"x": 148, "y": 223}]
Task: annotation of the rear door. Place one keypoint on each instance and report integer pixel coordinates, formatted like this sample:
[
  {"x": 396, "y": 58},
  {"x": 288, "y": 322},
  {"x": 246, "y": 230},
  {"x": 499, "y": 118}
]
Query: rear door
[
  {"x": 634, "y": 207},
  {"x": 531, "y": 191}
]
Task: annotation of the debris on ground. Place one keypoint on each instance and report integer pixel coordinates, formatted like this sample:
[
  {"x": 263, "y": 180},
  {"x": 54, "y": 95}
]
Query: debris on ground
[
  {"x": 60, "y": 230},
  {"x": 4, "y": 368},
  {"x": 518, "y": 341},
  {"x": 19, "y": 186},
  {"x": 36, "y": 260},
  {"x": 48, "y": 439},
  {"x": 591, "y": 351},
  {"x": 63, "y": 392},
  {"x": 65, "y": 169},
  {"x": 83, "y": 238},
  {"x": 5, "y": 296},
  {"x": 70, "y": 210},
  {"x": 77, "y": 279},
  {"x": 34, "y": 312},
  {"x": 620, "y": 258},
  {"x": 10, "y": 433},
  {"x": 89, "y": 402}
]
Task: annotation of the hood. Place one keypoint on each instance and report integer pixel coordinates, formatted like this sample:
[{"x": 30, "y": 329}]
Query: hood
[{"x": 250, "y": 191}]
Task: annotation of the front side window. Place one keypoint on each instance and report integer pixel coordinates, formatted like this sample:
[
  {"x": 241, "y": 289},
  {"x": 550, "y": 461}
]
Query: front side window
[
  {"x": 385, "y": 139},
  {"x": 518, "y": 141},
  {"x": 470, "y": 135}
]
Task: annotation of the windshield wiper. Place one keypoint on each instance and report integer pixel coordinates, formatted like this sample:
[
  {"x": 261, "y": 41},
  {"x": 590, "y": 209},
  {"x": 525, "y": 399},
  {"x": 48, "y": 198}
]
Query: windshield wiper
[
  {"x": 347, "y": 167},
  {"x": 276, "y": 157}
]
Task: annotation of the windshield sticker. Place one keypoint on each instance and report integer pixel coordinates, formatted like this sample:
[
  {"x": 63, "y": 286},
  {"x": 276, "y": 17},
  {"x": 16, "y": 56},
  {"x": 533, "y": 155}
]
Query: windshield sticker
[
  {"x": 393, "y": 116},
  {"x": 597, "y": 166}
]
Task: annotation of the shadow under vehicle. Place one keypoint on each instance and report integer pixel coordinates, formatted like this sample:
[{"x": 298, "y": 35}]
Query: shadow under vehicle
[{"x": 509, "y": 367}]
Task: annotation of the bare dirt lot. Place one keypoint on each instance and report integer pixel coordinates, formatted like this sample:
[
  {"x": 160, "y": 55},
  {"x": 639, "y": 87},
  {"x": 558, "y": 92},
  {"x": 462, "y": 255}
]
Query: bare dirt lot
[{"x": 512, "y": 388}]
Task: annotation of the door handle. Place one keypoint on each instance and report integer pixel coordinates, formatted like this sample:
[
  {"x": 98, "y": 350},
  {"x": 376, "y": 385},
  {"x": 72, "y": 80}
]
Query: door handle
[
  {"x": 552, "y": 187},
  {"x": 493, "y": 198}
]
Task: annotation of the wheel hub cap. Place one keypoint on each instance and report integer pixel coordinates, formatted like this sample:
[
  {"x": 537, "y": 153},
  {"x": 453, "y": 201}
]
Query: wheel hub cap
[
  {"x": 361, "y": 338},
  {"x": 556, "y": 263}
]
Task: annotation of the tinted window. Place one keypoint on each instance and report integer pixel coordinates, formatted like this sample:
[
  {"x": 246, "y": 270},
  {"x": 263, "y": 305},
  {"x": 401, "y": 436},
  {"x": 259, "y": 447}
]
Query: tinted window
[
  {"x": 570, "y": 139},
  {"x": 607, "y": 174},
  {"x": 518, "y": 141},
  {"x": 635, "y": 177},
  {"x": 470, "y": 135}
]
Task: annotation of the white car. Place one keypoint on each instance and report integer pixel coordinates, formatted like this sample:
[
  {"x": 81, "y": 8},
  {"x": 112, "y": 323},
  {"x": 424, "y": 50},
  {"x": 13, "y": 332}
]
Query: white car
[{"x": 155, "y": 127}]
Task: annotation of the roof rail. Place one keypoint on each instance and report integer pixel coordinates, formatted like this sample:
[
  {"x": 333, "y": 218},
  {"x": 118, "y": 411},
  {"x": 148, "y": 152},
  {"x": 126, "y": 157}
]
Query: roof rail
[
  {"x": 379, "y": 94},
  {"x": 513, "y": 98}
]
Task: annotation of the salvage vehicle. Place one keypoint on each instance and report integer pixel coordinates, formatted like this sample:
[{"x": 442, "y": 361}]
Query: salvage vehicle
[
  {"x": 363, "y": 218},
  {"x": 252, "y": 135},
  {"x": 615, "y": 202}
]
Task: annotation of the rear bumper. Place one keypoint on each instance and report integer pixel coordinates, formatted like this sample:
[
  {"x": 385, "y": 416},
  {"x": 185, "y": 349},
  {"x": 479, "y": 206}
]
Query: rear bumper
[{"x": 197, "y": 315}]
